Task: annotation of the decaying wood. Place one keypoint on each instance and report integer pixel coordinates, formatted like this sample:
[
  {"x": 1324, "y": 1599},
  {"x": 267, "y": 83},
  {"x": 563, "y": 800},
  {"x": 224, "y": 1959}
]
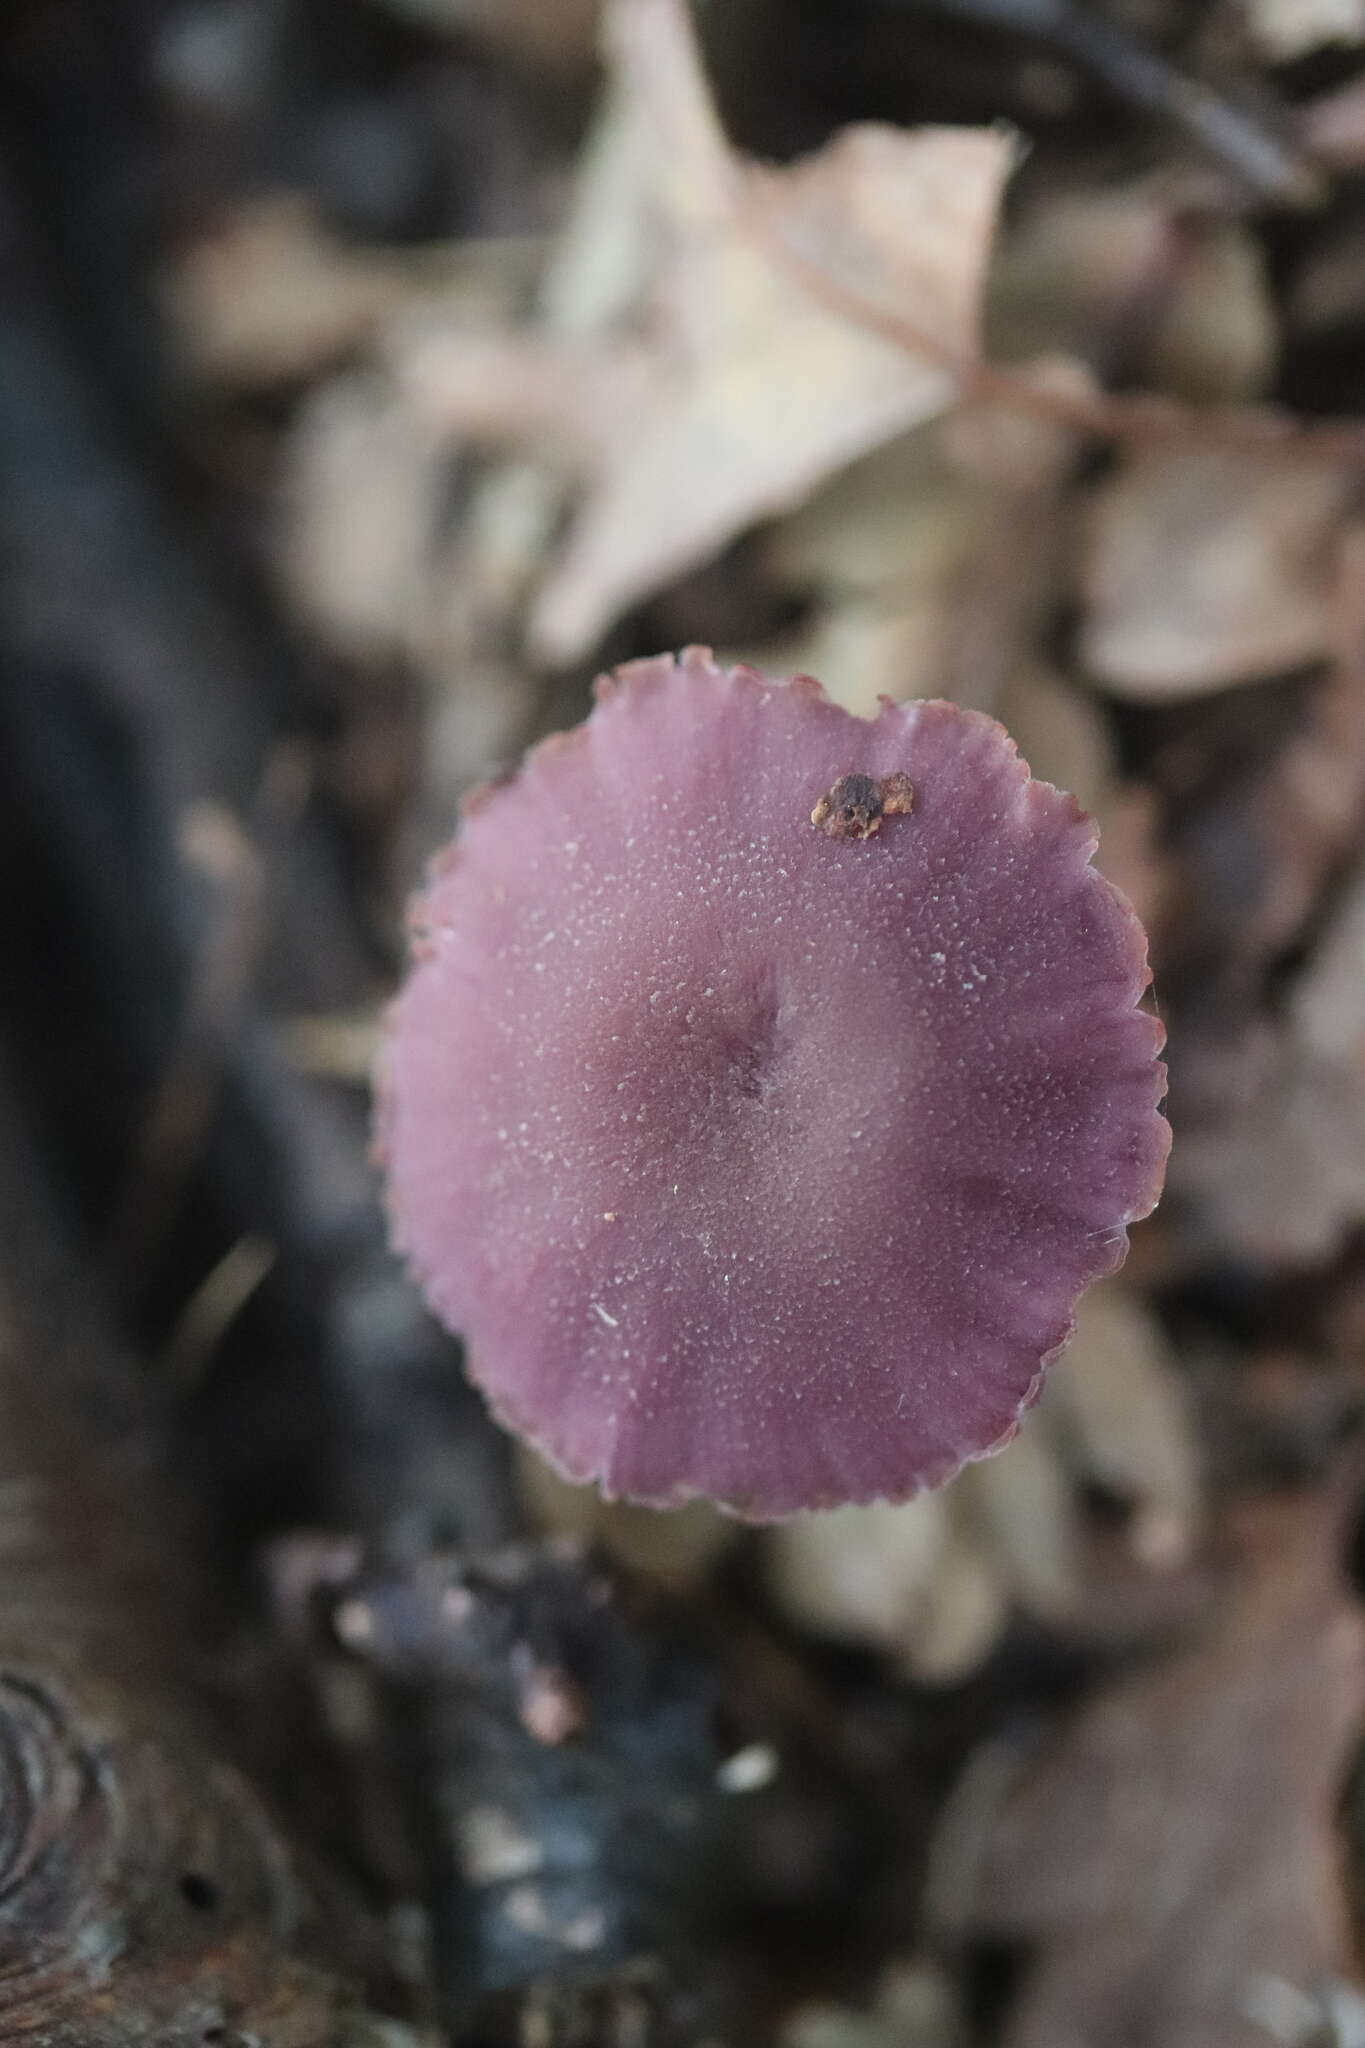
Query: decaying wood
[
  {"x": 147, "y": 1894},
  {"x": 562, "y": 1761}
]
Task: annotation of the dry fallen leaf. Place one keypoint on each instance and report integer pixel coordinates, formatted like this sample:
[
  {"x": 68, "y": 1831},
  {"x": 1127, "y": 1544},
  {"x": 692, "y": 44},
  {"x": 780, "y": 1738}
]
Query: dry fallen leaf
[
  {"x": 1120, "y": 1401},
  {"x": 1333, "y": 126},
  {"x": 1286, "y": 29},
  {"x": 676, "y": 1546},
  {"x": 900, "y": 1578},
  {"x": 1061, "y": 733},
  {"x": 727, "y": 392},
  {"x": 1270, "y": 1167},
  {"x": 1186, "y": 302},
  {"x": 1206, "y": 568},
  {"x": 1270, "y": 1106},
  {"x": 1168, "y": 1855},
  {"x": 1274, "y": 1159},
  {"x": 272, "y": 295},
  {"x": 362, "y": 490},
  {"x": 879, "y": 553},
  {"x": 933, "y": 1581},
  {"x": 1217, "y": 341},
  {"x": 1067, "y": 269},
  {"x": 927, "y": 568}
]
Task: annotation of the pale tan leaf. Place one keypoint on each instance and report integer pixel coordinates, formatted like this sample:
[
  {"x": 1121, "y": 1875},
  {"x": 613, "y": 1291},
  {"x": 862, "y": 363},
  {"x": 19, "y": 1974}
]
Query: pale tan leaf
[
  {"x": 1168, "y": 1854},
  {"x": 780, "y": 394},
  {"x": 1328, "y": 1006},
  {"x": 272, "y": 294},
  {"x": 361, "y": 491},
  {"x": 1206, "y": 568},
  {"x": 905, "y": 218},
  {"x": 880, "y": 552},
  {"x": 865, "y": 647},
  {"x": 1119, "y": 1396},
  {"x": 1218, "y": 340},
  {"x": 858, "y": 1573},
  {"x": 757, "y": 392},
  {"x": 1285, "y": 29},
  {"x": 918, "y": 1580},
  {"x": 961, "y": 1617},
  {"x": 1066, "y": 268},
  {"x": 681, "y": 365},
  {"x": 1023, "y": 1503},
  {"x": 1271, "y": 1160},
  {"x": 676, "y": 1546},
  {"x": 1061, "y": 733},
  {"x": 1194, "y": 298},
  {"x": 928, "y": 567}
]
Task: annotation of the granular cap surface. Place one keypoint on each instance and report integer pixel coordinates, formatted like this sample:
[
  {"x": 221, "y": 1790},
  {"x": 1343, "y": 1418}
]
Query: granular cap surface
[{"x": 767, "y": 1086}]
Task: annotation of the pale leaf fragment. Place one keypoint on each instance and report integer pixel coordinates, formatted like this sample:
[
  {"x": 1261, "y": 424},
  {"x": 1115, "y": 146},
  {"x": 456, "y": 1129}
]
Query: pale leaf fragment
[
  {"x": 272, "y": 295},
  {"x": 361, "y": 493},
  {"x": 1286, "y": 29},
  {"x": 1121, "y": 1400},
  {"x": 1082, "y": 267},
  {"x": 881, "y": 553},
  {"x": 1271, "y": 1160},
  {"x": 755, "y": 391},
  {"x": 927, "y": 568},
  {"x": 675, "y": 1546},
  {"x": 912, "y": 1579},
  {"x": 1218, "y": 342},
  {"x": 1206, "y": 568},
  {"x": 1061, "y": 733},
  {"x": 775, "y": 394},
  {"x": 1022, "y": 1504},
  {"x": 1169, "y": 1850},
  {"x": 683, "y": 366},
  {"x": 934, "y": 1580},
  {"x": 762, "y": 392}
]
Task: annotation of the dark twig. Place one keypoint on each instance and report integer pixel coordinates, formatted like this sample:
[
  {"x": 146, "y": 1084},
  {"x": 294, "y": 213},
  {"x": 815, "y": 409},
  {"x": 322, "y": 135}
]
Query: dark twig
[
  {"x": 179, "y": 1117},
  {"x": 1231, "y": 134}
]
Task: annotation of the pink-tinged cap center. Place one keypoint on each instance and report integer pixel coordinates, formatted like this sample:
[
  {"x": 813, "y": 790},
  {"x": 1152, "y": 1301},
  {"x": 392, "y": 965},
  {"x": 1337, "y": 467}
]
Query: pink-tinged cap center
[{"x": 768, "y": 1086}]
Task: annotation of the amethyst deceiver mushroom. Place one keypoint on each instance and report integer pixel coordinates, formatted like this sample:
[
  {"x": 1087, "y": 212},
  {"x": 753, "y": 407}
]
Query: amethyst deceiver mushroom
[{"x": 768, "y": 1085}]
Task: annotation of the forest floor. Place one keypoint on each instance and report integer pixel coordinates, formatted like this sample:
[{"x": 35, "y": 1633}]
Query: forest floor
[{"x": 372, "y": 375}]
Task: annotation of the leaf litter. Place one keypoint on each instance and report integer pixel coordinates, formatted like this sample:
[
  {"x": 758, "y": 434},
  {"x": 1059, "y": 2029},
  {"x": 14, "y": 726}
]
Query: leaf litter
[{"x": 1043, "y": 411}]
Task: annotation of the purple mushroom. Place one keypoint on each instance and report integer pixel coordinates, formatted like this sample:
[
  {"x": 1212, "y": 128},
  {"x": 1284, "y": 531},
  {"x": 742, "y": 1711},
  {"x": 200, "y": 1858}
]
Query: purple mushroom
[{"x": 768, "y": 1085}]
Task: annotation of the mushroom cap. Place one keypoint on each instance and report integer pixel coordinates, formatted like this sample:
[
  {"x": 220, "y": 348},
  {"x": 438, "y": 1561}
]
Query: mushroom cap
[{"x": 752, "y": 1159}]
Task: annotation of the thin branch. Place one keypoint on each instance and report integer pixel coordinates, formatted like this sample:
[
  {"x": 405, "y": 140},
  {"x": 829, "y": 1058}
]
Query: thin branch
[
  {"x": 185, "y": 1097},
  {"x": 1230, "y": 134}
]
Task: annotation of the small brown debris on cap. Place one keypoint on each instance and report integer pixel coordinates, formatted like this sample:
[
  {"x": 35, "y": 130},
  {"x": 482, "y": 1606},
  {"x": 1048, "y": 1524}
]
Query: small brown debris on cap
[{"x": 855, "y": 806}]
